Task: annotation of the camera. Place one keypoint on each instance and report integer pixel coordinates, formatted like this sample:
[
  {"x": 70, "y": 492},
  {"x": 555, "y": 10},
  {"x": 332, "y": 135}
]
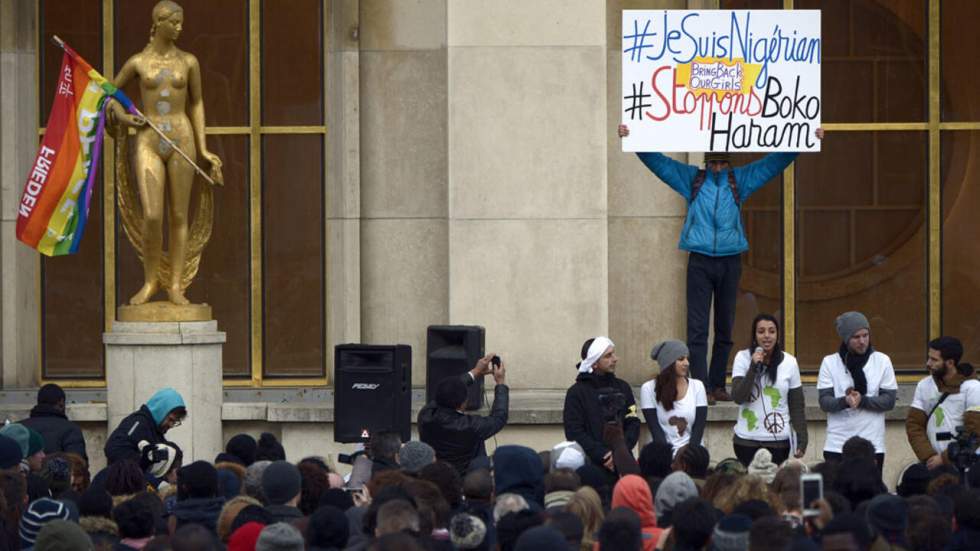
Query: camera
[
  {"x": 962, "y": 452},
  {"x": 495, "y": 361},
  {"x": 611, "y": 402},
  {"x": 349, "y": 458}
]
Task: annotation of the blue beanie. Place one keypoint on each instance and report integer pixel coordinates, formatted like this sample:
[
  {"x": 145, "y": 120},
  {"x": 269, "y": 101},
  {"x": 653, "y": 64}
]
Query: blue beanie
[
  {"x": 20, "y": 434},
  {"x": 163, "y": 402}
]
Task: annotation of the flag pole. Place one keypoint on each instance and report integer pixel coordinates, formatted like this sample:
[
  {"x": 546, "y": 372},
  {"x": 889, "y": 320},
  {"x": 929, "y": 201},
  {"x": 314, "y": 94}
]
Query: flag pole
[{"x": 164, "y": 137}]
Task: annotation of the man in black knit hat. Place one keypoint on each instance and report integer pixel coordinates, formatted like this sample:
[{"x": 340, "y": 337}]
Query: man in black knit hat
[{"x": 49, "y": 419}]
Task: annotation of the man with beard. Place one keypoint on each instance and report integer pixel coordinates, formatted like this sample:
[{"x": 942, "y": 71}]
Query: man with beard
[
  {"x": 856, "y": 386},
  {"x": 942, "y": 402},
  {"x": 598, "y": 397}
]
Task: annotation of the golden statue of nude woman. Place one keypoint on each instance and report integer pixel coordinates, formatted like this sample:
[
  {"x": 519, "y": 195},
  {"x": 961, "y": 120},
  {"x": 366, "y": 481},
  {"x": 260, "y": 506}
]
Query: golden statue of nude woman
[{"x": 170, "y": 88}]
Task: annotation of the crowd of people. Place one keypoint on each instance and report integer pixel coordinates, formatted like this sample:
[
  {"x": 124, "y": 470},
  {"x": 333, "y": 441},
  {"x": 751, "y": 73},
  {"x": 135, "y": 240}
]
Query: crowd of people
[{"x": 445, "y": 492}]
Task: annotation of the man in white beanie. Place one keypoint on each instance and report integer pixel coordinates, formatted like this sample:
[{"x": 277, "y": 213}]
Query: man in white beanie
[{"x": 856, "y": 386}]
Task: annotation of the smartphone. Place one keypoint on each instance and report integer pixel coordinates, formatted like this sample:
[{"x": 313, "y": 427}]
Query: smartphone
[{"x": 811, "y": 489}]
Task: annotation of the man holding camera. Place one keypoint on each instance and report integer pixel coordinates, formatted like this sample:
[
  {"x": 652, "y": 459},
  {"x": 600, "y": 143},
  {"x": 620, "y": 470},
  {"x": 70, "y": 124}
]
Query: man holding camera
[
  {"x": 456, "y": 437},
  {"x": 942, "y": 403},
  {"x": 599, "y": 397}
]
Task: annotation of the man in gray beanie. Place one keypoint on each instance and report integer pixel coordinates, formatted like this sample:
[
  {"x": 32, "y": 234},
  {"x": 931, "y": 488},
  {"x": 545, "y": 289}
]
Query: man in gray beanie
[
  {"x": 281, "y": 484},
  {"x": 857, "y": 386},
  {"x": 280, "y": 537},
  {"x": 414, "y": 455},
  {"x": 62, "y": 535},
  {"x": 673, "y": 490},
  {"x": 731, "y": 533}
]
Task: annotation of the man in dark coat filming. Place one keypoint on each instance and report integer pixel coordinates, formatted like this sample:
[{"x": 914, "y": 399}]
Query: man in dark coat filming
[{"x": 456, "y": 437}]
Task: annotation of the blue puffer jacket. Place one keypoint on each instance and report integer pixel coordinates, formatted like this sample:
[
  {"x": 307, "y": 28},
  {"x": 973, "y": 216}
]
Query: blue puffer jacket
[{"x": 713, "y": 225}]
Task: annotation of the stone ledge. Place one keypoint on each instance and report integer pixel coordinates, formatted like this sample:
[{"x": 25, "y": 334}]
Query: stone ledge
[
  {"x": 527, "y": 407},
  {"x": 172, "y": 333},
  {"x": 81, "y": 413}
]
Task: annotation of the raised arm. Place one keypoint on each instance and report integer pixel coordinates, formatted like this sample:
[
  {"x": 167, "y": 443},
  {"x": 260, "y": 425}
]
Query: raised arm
[
  {"x": 675, "y": 174},
  {"x": 754, "y": 175}
]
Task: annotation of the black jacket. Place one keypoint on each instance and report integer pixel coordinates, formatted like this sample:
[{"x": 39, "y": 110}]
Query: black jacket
[
  {"x": 199, "y": 510},
  {"x": 457, "y": 438},
  {"x": 284, "y": 513},
  {"x": 123, "y": 443},
  {"x": 583, "y": 415},
  {"x": 60, "y": 434},
  {"x": 965, "y": 539}
]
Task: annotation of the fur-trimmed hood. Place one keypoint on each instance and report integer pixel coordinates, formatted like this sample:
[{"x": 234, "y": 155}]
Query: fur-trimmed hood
[{"x": 94, "y": 525}]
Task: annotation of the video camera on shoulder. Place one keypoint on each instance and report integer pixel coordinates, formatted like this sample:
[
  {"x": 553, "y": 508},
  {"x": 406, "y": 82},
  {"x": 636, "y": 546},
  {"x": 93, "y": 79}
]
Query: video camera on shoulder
[
  {"x": 962, "y": 451},
  {"x": 612, "y": 402}
]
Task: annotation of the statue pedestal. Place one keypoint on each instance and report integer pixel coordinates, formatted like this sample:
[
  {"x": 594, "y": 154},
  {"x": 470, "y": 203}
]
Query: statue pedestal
[{"x": 143, "y": 357}]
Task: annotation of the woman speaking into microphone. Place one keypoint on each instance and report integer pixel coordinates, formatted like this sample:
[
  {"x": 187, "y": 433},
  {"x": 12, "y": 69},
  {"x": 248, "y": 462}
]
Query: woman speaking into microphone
[{"x": 767, "y": 388}]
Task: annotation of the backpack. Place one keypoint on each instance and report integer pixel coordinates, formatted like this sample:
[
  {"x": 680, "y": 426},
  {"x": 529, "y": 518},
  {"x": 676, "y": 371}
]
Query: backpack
[{"x": 699, "y": 182}]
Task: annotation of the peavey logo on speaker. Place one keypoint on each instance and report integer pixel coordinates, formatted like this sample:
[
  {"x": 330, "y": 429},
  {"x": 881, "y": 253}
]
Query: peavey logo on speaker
[{"x": 365, "y": 386}]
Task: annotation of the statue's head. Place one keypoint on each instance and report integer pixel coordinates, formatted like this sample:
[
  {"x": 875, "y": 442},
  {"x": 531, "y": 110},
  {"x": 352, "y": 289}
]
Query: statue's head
[{"x": 163, "y": 11}]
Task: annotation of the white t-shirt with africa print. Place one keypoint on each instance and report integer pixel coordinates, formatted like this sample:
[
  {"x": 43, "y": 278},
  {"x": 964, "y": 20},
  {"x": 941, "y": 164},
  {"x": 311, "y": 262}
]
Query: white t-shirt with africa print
[
  {"x": 949, "y": 414},
  {"x": 677, "y": 423},
  {"x": 766, "y": 416}
]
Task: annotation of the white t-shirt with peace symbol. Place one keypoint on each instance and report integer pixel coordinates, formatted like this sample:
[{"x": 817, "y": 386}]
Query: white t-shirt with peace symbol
[
  {"x": 677, "y": 423},
  {"x": 766, "y": 416},
  {"x": 947, "y": 415}
]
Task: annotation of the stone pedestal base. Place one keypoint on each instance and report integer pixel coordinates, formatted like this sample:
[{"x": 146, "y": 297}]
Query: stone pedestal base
[
  {"x": 162, "y": 311},
  {"x": 142, "y": 358}
]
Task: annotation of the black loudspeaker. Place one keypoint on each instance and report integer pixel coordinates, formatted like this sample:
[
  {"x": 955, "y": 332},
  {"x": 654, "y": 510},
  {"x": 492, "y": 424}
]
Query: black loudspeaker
[
  {"x": 372, "y": 391},
  {"x": 452, "y": 350}
]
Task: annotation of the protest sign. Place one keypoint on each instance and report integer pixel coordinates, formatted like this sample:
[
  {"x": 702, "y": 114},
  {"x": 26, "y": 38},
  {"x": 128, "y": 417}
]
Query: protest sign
[{"x": 721, "y": 80}]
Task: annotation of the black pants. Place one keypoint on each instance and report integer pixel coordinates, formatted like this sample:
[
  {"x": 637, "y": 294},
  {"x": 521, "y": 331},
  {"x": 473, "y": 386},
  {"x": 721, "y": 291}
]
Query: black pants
[
  {"x": 746, "y": 453},
  {"x": 834, "y": 457},
  {"x": 711, "y": 277}
]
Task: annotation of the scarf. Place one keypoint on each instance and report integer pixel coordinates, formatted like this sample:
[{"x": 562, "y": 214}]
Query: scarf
[
  {"x": 855, "y": 366},
  {"x": 596, "y": 350}
]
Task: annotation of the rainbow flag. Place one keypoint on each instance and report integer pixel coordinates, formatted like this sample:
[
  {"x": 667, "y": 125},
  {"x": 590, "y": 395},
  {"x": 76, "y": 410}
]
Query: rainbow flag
[{"x": 53, "y": 210}]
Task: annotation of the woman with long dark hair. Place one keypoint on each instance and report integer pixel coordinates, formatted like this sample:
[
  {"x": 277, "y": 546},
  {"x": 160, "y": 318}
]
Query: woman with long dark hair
[
  {"x": 766, "y": 385},
  {"x": 674, "y": 405}
]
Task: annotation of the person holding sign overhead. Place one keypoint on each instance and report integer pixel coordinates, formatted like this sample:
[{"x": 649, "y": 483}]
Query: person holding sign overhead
[{"x": 715, "y": 239}]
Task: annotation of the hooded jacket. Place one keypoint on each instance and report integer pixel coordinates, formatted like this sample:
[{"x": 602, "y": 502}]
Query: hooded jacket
[
  {"x": 713, "y": 225},
  {"x": 457, "y": 438},
  {"x": 60, "y": 434},
  {"x": 199, "y": 510},
  {"x": 518, "y": 470},
  {"x": 103, "y": 532},
  {"x": 143, "y": 424},
  {"x": 582, "y": 415},
  {"x": 633, "y": 493}
]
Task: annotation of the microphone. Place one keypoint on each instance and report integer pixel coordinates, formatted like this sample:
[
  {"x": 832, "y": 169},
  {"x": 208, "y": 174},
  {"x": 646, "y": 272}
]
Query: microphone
[{"x": 759, "y": 366}]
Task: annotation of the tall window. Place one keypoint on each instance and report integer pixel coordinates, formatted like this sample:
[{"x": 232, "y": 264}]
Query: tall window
[
  {"x": 881, "y": 220},
  {"x": 263, "y": 271}
]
